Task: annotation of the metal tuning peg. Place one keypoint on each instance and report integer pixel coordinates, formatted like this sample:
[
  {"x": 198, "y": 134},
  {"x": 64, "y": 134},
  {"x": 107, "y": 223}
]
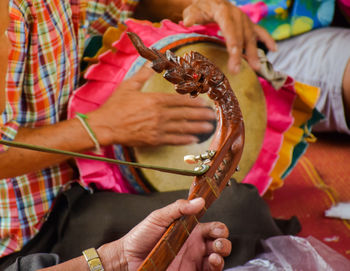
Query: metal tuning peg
[
  {"x": 203, "y": 158},
  {"x": 192, "y": 159},
  {"x": 230, "y": 181}
]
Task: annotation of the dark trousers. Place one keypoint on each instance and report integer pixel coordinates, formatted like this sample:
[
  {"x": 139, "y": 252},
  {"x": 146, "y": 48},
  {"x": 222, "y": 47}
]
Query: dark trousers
[{"x": 80, "y": 220}]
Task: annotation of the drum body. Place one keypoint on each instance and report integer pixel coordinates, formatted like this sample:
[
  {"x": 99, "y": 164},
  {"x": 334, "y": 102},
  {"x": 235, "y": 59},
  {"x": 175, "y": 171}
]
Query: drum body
[{"x": 277, "y": 123}]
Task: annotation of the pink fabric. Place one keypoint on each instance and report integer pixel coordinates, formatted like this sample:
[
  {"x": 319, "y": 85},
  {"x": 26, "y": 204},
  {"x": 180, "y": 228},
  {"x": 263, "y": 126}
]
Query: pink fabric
[
  {"x": 344, "y": 5},
  {"x": 279, "y": 119},
  {"x": 255, "y": 11},
  {"x": 104, "y": 78}
]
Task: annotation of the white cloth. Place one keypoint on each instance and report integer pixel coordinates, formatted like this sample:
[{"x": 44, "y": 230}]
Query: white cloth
[{"x": 318, "y": 58}]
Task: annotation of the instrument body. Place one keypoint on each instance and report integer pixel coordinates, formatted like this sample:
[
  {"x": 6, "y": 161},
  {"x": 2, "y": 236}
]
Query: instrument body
[
  {"x": 194, "y": 74},
  {"x": 251, "y": 98}
]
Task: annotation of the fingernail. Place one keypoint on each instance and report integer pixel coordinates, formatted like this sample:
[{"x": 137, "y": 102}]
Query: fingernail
[
  {"x": 186, "y": 21},
  {"x": 236, "y": 68},
  {"x": 257, "y": 64},
  {"x": 234, "y": 50},
  {"x": 195, "y": 139},
  {"x": 212, "y": 113},
  {"x": 216, "y": 259},
  {"x": 208, "y": 126},
  {"x": 195, "y": 201},
  {"x": 203, "y": 102},
  {"x": 218, "y": 244},
  {"x": 218, "y": 231}
]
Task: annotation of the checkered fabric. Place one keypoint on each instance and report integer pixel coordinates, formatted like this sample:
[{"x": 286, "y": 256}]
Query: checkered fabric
[{"x": 47, "y": 39}]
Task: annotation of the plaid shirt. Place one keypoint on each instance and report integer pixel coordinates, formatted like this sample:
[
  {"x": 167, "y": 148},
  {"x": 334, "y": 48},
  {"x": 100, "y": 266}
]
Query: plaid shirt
[{"x": 47, "y": 39}]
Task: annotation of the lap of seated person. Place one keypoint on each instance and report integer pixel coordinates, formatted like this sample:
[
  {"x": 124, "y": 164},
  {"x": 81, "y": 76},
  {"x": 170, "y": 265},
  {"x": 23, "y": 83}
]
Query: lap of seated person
[{"x": 321, "y": 58}]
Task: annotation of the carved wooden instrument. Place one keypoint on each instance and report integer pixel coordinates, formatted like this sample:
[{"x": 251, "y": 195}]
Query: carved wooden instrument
[{"x": 194, "y": 74}]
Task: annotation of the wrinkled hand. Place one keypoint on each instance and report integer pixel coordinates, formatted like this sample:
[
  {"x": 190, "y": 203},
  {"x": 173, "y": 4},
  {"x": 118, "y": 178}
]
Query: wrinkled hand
[
  {"x": 133, "y": 118},
  {"x": 204, "y": 249},
  {"x": 238, "y": 30}
]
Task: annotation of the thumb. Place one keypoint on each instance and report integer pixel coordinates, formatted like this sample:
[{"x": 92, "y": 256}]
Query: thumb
[
  {"x": 136, "y": 81},
  {"x": 165, "y": 216},
  {"x": 192, "y": 15}
]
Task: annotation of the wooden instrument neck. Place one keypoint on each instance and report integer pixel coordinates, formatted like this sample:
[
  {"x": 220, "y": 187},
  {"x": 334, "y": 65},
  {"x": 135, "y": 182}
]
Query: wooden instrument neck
[{"x": 194, "y": 74}]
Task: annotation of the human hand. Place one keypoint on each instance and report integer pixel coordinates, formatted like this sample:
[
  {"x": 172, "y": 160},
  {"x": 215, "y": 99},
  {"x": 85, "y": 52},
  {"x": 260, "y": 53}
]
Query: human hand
[
  {"x": 240, "y": 33},
  {"x": 209, "y": 241},
  {"x": 133, "y": 118}
]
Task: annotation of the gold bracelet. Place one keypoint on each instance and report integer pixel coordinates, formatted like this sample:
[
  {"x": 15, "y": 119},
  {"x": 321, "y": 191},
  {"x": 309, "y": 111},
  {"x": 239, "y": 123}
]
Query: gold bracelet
[{"x": 93, "y": 259}]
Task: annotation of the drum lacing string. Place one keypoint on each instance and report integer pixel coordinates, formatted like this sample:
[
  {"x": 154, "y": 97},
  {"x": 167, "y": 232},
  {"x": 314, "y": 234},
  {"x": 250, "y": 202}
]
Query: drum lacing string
[
  {"x": 200, "y": 170},
  {"x": 309, "y": 137}
]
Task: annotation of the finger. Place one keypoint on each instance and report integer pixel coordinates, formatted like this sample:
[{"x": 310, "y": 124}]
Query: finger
[
  {"x": 214, "y": 230},
  {"x": 192, "y": 15},
  {"x": 229, "y": 19},
  {"x": 215, "y": 262},
  {"x": 177, "y": 140},
  {"x": 199, "y": 12},
  {"x": 143, "y": 74},
  {"x": 218, "y": 232},
  {"x": 265, "y": 37},
  {"x": 251, "y": 49},
  {"x": 188, "y": 127},
  {"x": 136, "y": 81},
  {"x": 220, "y": 246},
  {"x": 165, "y": 216},
  {"x": 230, "y": 22},
  {"x": 189, "y": 114},
  {"x": 176, "y": 100}
]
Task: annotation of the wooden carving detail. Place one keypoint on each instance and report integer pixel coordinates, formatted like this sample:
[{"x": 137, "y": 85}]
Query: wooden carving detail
[{"x": 194, "y": 74}]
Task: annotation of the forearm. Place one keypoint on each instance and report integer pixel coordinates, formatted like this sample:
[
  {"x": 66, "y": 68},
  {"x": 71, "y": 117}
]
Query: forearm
[
  {"x": 78, "y": 263},
  {"x": 2, "y": 100},
  {"x": 111, "y": 256},
  {"x": 67, "y": 135},
  {"x": 156, "y": 10}
]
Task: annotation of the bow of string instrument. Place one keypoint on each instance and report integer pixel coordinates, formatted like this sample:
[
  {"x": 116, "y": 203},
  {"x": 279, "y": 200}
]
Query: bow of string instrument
[{"x": 194, "y": 74}]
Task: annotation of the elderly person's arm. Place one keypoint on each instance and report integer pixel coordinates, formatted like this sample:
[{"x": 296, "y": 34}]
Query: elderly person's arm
[
  {"x": 36, "y": 112},
  {"x": 129, "y": 117},
  {"x": 5, "y": 46}
]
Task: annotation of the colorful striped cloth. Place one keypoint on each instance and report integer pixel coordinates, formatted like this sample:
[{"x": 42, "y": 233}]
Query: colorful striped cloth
[
  {"x": 47, "y": 39},
  {"x": 285, "y": 18},
  {"x": 290, "y": 110}
]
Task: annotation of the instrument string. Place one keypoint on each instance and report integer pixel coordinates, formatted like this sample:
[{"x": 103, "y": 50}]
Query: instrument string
[{"x": 198, "y": 171}]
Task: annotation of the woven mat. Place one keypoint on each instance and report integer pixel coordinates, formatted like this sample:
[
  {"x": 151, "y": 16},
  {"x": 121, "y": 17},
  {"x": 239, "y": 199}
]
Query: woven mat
[{"x": 320, "y": 179}]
